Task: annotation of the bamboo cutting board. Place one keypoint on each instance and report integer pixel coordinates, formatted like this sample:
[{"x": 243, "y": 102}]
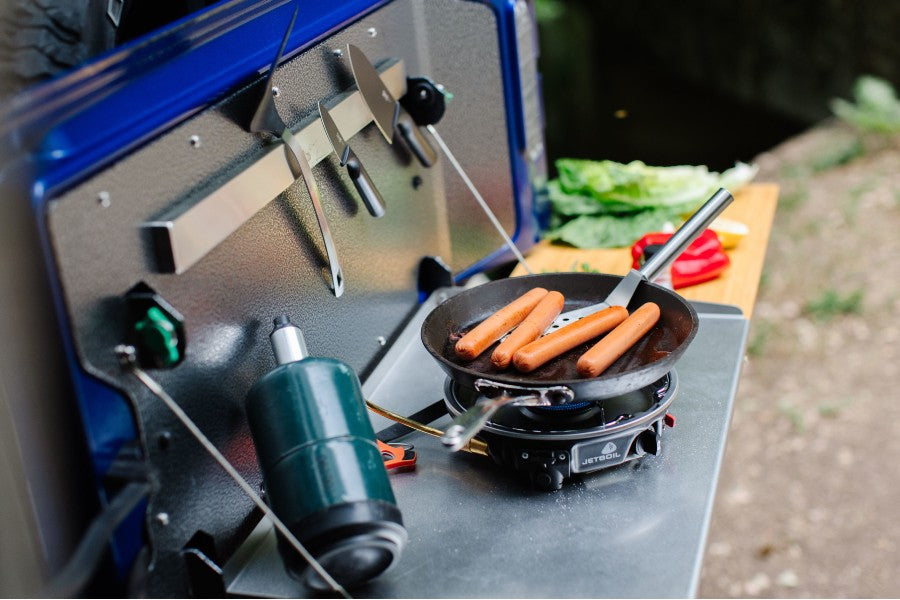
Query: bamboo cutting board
[{"x": 754, "y": 205}]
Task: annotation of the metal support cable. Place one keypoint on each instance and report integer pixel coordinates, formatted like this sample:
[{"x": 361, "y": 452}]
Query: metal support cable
[
  {"x": 128, "y": 359},
  {"x": 484, "y": 205}
]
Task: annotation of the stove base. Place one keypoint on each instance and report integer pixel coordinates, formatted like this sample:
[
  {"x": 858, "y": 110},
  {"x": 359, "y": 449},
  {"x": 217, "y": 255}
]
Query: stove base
[{"x": 549, "y": 447}]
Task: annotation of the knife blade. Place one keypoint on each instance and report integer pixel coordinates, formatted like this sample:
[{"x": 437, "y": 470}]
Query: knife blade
[
  {"x": 266, "y": 119},
  {"x": 358, "y": 175},
  {"x": 386, "y": 110}
]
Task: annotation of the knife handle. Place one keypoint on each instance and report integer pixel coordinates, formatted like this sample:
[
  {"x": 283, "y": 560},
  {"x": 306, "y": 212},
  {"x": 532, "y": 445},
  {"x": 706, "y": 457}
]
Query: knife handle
[
  {"x": 364, "y": 185},
  {"x": 417, "y": 143}
]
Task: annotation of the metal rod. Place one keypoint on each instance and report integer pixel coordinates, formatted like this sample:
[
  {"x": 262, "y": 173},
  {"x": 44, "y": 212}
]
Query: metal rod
[
  {"x": 473, "y": 446},
  {"x": 127, "y": 357},
  {"x": 484, "y": 206}
]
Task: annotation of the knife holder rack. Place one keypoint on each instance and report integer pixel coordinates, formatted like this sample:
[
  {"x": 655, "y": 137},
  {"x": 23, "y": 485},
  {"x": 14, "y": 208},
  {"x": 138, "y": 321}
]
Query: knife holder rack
[{"x": 186, "y": 233}]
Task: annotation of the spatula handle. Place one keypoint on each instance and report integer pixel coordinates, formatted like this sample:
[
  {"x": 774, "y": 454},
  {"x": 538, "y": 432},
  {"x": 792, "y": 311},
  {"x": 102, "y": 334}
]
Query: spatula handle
[{"x": 687, "y": 233}]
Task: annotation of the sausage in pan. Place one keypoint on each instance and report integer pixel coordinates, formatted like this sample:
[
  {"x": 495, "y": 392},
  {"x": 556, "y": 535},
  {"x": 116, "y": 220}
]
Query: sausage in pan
[
  {"x": 498, "y": 324},
  {"x": 618, "y": 341},
  {"x": 538, "y": 352},
  {"x": 529, "y": 330}
]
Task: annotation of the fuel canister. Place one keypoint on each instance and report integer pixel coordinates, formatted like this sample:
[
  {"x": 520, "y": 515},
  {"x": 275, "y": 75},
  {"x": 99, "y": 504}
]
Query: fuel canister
[{"x": 323, "y": 472}]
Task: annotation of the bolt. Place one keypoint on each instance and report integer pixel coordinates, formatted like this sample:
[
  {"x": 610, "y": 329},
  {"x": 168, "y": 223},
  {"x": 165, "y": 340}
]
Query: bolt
[
  {"x": 562, "y": 456},
  {"x": 381, "y": 340},
  {"x": 372, "y": 31},
  {"x": 162, "y": 518},
  {"x": 338, "y": 52},
  {"x": 423, "y": 94},
  {"x": 524, "y": 456},
  {"x": 275, "y": 91},
  {"x": 103, "y": 199},
  {"x": 195, "y": 141},
  {"x": 127, "y": 355}
]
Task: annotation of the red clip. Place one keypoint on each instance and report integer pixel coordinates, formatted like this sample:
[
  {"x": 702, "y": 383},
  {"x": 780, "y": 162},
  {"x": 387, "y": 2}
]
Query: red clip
[
  {"x": 669, "y": 420},
  {"x": 397, "y": 457}
]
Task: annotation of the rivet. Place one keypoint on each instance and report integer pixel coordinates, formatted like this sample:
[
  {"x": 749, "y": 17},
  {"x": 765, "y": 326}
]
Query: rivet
[
  {"x": 338, "y": 52},
  {"x": 275, "y": 91},
  {"x": 372, "y": 31},
  {"x": 162, "y": 518},
  {"x": 524, "y": 456},
  {"x": 195, "y": 141},
  {"x": 381, "y": 340},
  {"x": 103, "y": 199}
]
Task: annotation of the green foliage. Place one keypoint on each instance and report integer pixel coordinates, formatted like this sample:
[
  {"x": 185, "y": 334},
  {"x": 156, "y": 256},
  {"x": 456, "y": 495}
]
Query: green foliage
[
  {"x": 794, "y": 415},
  {"x": 762, "y": 330},
  {"x": 548, "y": 10},
  {"x": 833, "y": 410},
  {"x": 832, "y": 303},
  {"x": 876, "y": 106},
  {"x": 836, "y": 155}
]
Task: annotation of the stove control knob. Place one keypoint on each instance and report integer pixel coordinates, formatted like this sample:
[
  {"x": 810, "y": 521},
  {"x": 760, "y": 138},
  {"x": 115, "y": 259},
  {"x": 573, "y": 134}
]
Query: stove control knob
[{"x": 547, "y": 479}]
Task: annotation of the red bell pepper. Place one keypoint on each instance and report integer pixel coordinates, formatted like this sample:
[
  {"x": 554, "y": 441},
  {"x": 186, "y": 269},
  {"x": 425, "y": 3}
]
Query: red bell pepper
[{"x": 703, "y": 260}]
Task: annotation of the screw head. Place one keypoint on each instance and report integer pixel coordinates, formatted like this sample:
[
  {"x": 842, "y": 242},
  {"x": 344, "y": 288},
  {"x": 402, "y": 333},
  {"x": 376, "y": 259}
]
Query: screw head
[
  {"x": 275, "y": 91},
  {"x": 164, "y": 439},
  {"x": 338, "y": 52},
  {"x": 103, "y": 199},
  {"x": 194, "y": 141},
  {"x": 162, "y": 518},
  {"x": 381, "y": 340},
  {"x": 372, "y": 31},
  {"x": 524, "y": 456}
]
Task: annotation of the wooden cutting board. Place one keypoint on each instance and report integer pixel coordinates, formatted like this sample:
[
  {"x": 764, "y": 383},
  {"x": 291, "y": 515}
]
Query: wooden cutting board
[{"x": 754, "y": 205}]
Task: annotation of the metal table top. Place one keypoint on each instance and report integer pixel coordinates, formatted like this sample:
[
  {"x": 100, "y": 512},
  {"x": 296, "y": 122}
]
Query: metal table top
[{"x": 477, "y": 530}]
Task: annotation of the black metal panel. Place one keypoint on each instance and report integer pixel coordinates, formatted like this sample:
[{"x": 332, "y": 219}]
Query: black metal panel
[{"x": 271, "y": 265}]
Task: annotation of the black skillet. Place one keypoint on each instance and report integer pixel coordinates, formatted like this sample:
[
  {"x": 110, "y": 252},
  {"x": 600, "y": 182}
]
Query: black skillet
[{"x": 557, "y": 382}]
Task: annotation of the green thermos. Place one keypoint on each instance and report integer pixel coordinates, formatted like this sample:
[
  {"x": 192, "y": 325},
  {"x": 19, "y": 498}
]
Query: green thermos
[{"x": 323, "y": 472}]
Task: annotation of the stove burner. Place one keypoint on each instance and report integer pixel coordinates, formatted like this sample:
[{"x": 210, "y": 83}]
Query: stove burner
[{"x": 549, "y": 444}]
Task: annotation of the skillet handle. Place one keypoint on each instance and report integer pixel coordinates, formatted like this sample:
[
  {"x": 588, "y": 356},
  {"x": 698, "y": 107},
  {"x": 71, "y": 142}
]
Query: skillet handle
[
  {"x": 467, "y": 425},
  {"x": 495, "y": 396}
]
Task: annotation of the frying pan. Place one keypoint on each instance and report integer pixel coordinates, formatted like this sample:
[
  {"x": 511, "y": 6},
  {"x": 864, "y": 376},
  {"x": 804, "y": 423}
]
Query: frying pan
[{"x": 557, "y": 381}]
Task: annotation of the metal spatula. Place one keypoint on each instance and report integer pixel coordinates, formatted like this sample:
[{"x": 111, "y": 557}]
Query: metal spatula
[{"x": 680, "y": 240}]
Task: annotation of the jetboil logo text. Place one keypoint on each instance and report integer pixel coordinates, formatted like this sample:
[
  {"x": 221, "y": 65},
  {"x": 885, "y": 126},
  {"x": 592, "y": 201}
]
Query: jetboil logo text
[{"x": 608, "y": 452}]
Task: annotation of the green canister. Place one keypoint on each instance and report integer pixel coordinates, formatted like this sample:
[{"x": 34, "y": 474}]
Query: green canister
[{"x": 323, "y": 472}]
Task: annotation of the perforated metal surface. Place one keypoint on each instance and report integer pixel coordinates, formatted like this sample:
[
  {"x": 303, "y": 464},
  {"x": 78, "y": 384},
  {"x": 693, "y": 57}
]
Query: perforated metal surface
[{"x": 272, "y": 264}]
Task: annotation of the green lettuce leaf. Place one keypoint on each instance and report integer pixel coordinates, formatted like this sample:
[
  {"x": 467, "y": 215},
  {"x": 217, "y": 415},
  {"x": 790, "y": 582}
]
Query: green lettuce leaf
[
  {"x": 624, "y": 201},
  {"x": 608, "y": 231}
]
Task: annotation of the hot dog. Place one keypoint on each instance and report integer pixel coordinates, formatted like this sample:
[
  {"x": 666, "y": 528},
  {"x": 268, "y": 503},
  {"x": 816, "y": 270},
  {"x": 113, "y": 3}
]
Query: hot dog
[
  {"x": 529, "y": 330},
  {"x": 498, "y": 324},
  {"x": 618, "y": 341},
  {"x": 533, "y": 355}
]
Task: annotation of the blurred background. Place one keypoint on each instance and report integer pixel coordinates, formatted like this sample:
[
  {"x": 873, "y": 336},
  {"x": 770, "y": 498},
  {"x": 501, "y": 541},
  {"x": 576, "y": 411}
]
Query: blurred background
[{"x": 807, "y": 502}]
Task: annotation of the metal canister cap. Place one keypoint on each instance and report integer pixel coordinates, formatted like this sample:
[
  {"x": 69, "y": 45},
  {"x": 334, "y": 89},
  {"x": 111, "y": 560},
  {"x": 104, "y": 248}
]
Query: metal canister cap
[{"x": 287, "y": 341}]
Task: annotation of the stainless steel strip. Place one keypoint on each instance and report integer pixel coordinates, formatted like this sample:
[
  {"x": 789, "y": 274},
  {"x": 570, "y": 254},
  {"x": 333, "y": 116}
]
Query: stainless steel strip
[{"x": 188, "y": 234}]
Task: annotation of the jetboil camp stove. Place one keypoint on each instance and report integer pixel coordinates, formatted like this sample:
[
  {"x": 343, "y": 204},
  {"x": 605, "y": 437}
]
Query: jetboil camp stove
[{"x": 157, "y": 221}]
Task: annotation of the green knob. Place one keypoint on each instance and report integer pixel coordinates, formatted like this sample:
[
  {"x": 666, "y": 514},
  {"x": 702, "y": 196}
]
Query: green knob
[{"x": 159, "y": 337}]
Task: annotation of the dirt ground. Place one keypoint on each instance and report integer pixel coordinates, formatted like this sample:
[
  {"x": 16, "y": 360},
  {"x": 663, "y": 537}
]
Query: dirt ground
[{"x": 808, "y": 502}]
